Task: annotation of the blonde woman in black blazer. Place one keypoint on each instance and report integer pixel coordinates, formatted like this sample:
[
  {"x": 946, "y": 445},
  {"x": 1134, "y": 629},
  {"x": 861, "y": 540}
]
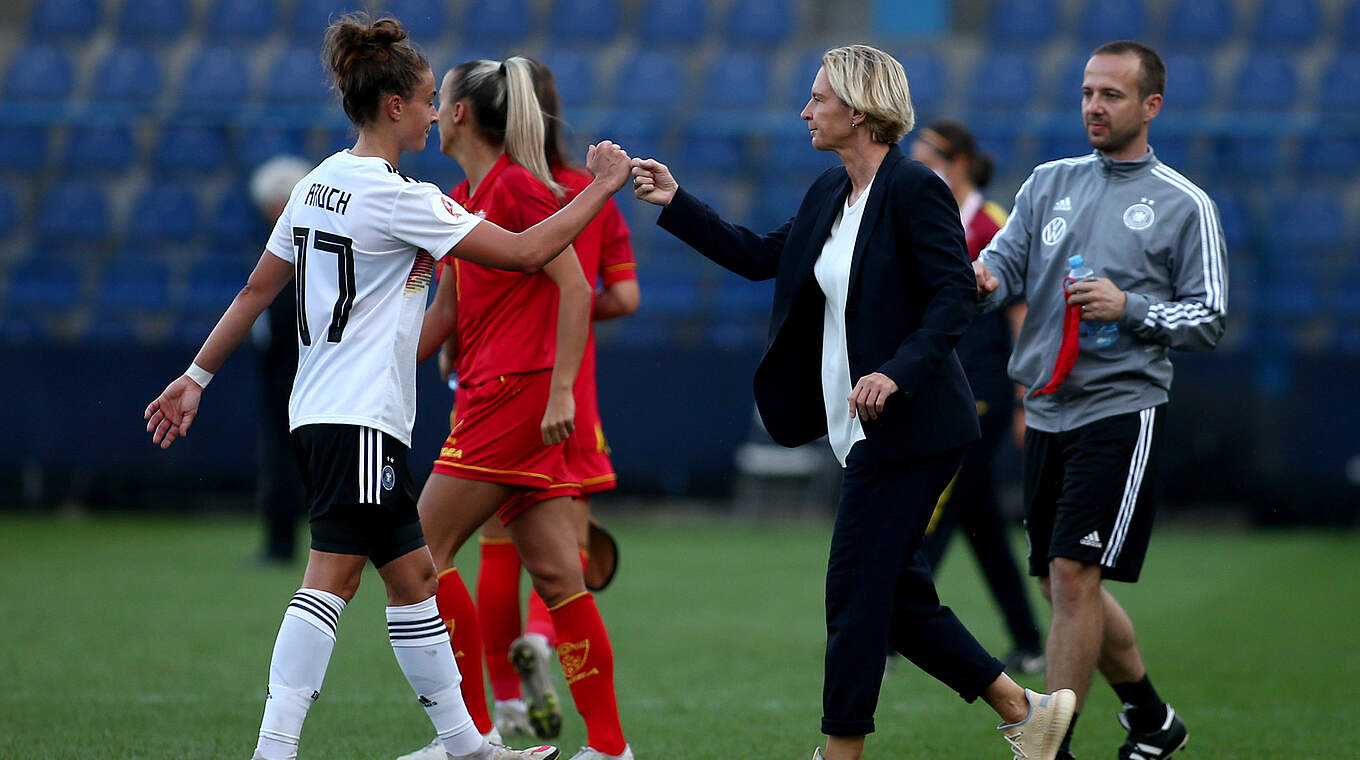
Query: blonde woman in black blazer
[{"x": 872, "y": 290}]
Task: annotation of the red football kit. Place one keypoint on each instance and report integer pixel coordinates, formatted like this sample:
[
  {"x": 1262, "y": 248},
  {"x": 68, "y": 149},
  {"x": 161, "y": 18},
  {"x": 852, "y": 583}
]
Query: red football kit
[{"x": 507, "y": 341}]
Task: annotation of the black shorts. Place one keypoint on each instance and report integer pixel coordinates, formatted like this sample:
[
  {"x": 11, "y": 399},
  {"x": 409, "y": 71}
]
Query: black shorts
[
  {"x": 360, "y": 499},
  {"x": 1089, "y": 493}
]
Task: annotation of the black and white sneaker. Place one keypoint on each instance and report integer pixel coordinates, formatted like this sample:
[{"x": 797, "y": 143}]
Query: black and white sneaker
[{"x": 1154, "y": 745}]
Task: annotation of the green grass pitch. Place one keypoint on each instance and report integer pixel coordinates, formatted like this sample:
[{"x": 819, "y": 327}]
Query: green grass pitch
[{"x": 135, "y": 637}]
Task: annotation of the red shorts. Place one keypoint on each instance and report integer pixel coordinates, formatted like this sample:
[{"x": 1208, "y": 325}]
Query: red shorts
[
  {"x": 496, "y": 438},
  {"x": 588, "y": 455}
]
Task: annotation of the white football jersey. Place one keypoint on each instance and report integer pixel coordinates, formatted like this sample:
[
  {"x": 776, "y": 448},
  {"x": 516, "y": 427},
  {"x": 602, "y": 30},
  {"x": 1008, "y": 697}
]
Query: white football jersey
[{"x": 363, "y": 241}]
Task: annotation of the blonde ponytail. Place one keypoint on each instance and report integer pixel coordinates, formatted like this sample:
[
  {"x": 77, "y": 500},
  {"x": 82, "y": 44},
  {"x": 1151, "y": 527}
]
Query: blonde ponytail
[{"x": 524, "y": 122}]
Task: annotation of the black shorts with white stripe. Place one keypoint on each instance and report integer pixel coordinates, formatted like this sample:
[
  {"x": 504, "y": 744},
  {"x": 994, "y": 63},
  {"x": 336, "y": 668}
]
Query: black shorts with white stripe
[
  {"x": 1090, "y": 493},
  {"x": 360, "y": 498}
]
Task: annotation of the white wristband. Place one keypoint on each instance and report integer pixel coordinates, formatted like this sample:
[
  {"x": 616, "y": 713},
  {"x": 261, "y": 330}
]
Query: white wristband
[{"x": 199, "y": 375}]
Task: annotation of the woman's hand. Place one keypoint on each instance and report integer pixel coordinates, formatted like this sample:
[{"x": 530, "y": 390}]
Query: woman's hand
[
  {"x": 559, "y": 420},
  {"x": 652, "y": 181},
  {"x": 870, "y": 394},
  {"x": 609, "y": 163},
  {"x": 171, "y": 414}
]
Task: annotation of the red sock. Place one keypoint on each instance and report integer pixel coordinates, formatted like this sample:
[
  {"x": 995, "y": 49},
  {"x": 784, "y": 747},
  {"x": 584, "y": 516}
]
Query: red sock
[
  {"x": 588, "y": 663},
  {"x": 540, "y": 621},
  {"x": 460, "y": 615},
  {"x": 498, "y": 610}
]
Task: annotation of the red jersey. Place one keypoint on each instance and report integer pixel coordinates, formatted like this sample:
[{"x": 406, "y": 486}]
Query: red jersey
[
  {"x": 507, "y": 321},
  {"x": 982, "y": 220}
]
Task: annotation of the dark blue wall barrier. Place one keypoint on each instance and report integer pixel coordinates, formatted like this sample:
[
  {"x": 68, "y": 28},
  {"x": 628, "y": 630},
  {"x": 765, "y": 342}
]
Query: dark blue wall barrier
[{"x": 674, "y": 417}]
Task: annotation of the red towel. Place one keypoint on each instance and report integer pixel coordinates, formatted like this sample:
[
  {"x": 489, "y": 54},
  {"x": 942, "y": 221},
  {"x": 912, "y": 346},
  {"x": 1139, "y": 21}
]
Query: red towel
[{"x": 1068, "y": 350}]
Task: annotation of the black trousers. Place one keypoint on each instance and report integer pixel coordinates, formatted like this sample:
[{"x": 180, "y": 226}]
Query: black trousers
[
  {"x": 973, "y": 504},
  {"x": 879, "y": 588}
]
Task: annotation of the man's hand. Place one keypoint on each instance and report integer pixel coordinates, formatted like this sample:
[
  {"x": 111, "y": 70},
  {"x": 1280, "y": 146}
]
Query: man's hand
[
  {"x": 986, "y": 281},
  {"x": 870, "y": 394},
  {"x": 171, "y": 414},
  {"x": 1100, "y": 300}
]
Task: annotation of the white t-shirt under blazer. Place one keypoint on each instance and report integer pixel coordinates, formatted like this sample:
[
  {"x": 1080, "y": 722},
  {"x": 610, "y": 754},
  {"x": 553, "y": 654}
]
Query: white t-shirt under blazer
[
  {"x": 363, "y": 240},
  {"x": 832, "y": 271}
]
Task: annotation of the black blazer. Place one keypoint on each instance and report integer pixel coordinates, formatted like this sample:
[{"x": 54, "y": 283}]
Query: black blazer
[{"x": 912, "y": 295}]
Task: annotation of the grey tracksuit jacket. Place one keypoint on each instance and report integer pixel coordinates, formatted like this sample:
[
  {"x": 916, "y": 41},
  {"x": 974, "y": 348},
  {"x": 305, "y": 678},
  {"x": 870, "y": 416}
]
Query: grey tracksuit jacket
[{"x": 1148, "y": 229}]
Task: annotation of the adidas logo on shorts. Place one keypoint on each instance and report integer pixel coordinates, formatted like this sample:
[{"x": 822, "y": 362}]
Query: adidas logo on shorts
[{"x": 1092, "y": 540}]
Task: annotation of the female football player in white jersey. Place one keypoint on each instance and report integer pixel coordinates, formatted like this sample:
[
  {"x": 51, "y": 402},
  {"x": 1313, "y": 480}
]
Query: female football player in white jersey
[{"x": 360, "y": 241}]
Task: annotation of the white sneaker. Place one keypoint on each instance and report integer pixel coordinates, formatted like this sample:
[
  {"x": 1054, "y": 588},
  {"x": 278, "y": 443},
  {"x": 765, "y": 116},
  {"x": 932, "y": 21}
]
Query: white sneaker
[
  {"x": 435, "y": 749},
  {"x": 511, "y": 718},
  {"x": 544, "y": 752},
  {"x": 1039, "y": 736},
  {"x": 589, "y": 753},
  {"x": 532, "y": 660}
]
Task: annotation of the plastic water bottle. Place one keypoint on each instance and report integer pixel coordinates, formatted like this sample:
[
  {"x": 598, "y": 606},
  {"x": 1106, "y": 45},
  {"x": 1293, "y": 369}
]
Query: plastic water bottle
[{"x": 1103, "y": 334}]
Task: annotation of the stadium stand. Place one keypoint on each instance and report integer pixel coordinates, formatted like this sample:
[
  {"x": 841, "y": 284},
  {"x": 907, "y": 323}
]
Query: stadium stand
[
  {"x": 588, "y": 21},
  {"x": 1022, "y": 23},
  {"x": 674, "y": 23},
  {"x": 65, "y": 19},
  {"x": 101, "y": 148},
  {"x": 243, "y": 20},
  {"x": 39, "y": 72},
  {"x": 154, "y": 21},
  {"x": 129, "y": 73}
]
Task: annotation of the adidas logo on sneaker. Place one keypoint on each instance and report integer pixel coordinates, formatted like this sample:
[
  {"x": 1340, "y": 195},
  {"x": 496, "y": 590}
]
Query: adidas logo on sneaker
[
  {"x": 1063, "y": 205},
  {"x": 1092, "y": 540}
]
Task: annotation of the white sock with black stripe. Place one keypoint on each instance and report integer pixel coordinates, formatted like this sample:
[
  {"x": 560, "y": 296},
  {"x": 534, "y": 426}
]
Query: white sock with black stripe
[
  {"x": 297, "y": 669},
  {"x": 420, "y": 640}
]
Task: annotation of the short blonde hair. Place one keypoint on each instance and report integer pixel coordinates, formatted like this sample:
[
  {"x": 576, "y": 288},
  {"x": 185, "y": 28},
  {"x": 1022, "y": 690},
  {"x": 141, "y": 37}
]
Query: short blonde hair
[{"x": 872, "y": 81}]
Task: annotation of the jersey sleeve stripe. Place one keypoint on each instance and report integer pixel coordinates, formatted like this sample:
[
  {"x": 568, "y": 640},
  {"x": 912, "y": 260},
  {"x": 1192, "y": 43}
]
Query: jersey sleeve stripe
[{"x": 1211, "y": 244}]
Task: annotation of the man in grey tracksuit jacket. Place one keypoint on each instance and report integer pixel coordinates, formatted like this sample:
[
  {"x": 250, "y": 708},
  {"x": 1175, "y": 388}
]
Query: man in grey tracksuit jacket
[{"x": 1156, "y": 247}]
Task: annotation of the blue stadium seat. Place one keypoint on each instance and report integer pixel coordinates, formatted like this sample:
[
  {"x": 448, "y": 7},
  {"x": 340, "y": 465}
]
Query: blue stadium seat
[
  {"x": 1055, "y": 147},
  {"x": 1175, "y": 152},
  {"x": 73, "y": 210},
  {"x": 1247, "y": 156},
  {"x": 214, "y": 76},
  {"x": 128, "y": 73},
  {"x": 1329, "y": 156},
  {"x": 1235, "y": 216},
  {"x": 9, "y": 211},
  {"x": 1307, "y": 225},
  {"x": 1004, "y": 81},
  {"x": 190, "y": 149},
  {"x": 1200, "y": 22},
  {"x": 46, "y": 284},
  {"x": 791, "y": 147},
  {"x": 1106, "y": 20},
  {"x": 674, "y": 23},
  {"x": 101, "y": 148},
  {"x": 639, "y": 134},
  {"x": 236, "y": 222},
  {"x": 498, "y": 20},
  {"x": 1350, "y": 23},
  {"x": 311, "y": 17},
  {"x": 154, "y": 21},
  {"x": 39, "y": 72},
  {"x": 706, "y": 152},
  {"x": 673, "y": 288},
  {"x": 804, "y": 71},
  {"x": 163, "y": 212},
  {"x": 927, "y": 78},
  {"x": 1189, "y": 82},
  {"x": 424, "y": 19},
  {"x": 18, "y": 326},
  {"x": 574, "y": 72},
  {"x": 655, "y": 79},
  {"x": 1064, "y": 90},
  {"x": 252, "y": 146},
  {"x": 585, "y": 20},
  {"x": 325, "y": 141},
  {"x": 737, "y": 79},
  {"x": 781, "y": 195},
  {"x": 215, "y": 281},
  {"x": 67, "y": 19},
  {"x": 1023, "y": 22},
  {"x": 760, "y": 22},
  {"x": 1266, "y": 82},
  {"x": 23, "y": 147},
  {"x": 297, "y": 78},
  {"x": 1287, "y": 23},
  {"x": 244, "y": 20},
  {"x": 134, "y": 284},
  {"x": 1341, "y": 81}
]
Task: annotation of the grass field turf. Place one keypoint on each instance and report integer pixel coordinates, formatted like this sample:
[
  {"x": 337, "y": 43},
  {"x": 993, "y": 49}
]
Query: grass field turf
[{"x": 149, "y": 637}]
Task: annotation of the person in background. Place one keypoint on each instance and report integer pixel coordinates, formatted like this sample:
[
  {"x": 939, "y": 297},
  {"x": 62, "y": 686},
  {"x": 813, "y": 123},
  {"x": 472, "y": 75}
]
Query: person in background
[
  {"x": 970, "y": 500},
  {"x": 872, "y": 291},
  {"x": 1095, "y": 410},
  {"x": 278, "y": 487}
]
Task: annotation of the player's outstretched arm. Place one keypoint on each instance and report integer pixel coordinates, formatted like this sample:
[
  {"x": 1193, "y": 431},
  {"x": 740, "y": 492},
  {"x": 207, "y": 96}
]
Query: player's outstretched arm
[
  {"x": 529, "y": 250},
  {"x": 171, "y": 413}
]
